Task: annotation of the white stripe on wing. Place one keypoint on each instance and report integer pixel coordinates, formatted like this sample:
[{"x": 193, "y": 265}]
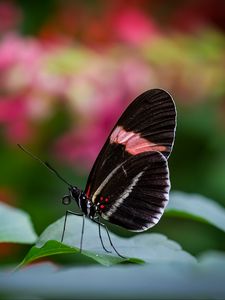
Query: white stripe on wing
[
  {"x": 123, "y": 196},
  {"x": 104, "y": 182}
]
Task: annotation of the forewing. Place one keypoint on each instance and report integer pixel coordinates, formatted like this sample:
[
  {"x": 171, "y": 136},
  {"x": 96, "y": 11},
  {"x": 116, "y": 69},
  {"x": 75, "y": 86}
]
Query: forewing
[
  {"x": 152, "y": 115},
  {"x": 148, "y": 124},
  {"x": 135, "y": 193}
]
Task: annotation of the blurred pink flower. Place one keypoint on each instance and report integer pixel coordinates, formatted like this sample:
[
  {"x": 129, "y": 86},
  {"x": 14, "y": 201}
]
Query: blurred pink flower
[
  {"x": 13, "y": 118},
  {"x": 99, "y": 100},
  {"x": 38, "y": 80},
  {"x": 12, "y": 109},
  {"x": 136, "y": 76},
  {"x": 133, "y": 26},
  {"x": 19, "y": 131},
  {"x": 9, "y": 16},
  {"x": 81, "y": 145},
  {"x": 17, "y": 50}
]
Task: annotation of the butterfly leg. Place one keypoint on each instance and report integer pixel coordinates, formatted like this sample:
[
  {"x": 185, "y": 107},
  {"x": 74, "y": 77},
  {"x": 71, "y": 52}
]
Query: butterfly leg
[
  {"x": 100, "y": 236},
  {"x": 110, "y": 241},
  {"x": 82, "y": 234},
  {"x": 69, "y": 212}
]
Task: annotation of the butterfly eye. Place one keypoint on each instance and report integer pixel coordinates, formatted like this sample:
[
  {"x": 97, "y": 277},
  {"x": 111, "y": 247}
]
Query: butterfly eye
[{"x": 66, "y": 200}]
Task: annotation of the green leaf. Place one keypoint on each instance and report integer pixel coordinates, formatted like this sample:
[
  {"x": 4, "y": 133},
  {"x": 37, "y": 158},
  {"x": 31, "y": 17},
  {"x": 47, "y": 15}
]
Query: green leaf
[
  {"x": 15, "y": 225},
  {"x": 159, "y": 280},
  {"x": 197, "y": 207},
  {"x": 140, "y": 248},
  {"x": 55, "y": 247}
]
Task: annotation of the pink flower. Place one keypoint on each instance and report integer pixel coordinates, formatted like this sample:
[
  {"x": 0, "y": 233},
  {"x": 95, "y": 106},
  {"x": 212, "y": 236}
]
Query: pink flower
[
  {"x": 9, "y": 16},
  {"x": 81, "y": 145},
  {"x": 11, "y": 109},
  {"x": 13, "y": 118},
  {"x": 98, "y": 101},
  {"x": 136, "y": 76},
  {"x": 15, "y": 50},
  {"x": 133, "y": 26}
]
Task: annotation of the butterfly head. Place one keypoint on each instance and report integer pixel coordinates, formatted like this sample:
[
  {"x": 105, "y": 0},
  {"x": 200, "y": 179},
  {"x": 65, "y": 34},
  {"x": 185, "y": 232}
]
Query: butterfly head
[
  {"x": 85, "y": 204},
  {"x": 74, "y": 194}
]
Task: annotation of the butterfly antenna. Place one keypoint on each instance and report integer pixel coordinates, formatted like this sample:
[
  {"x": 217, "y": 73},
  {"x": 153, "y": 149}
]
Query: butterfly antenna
[{"x": 46, "y": 164}]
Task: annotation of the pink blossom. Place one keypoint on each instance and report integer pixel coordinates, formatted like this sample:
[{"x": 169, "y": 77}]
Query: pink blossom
[
  {"x": 9, "y": 16},
  {"x": 99, "y": 100},
  {"x": 133, "y": 26},
  {"x": 19, "y": 131},
  {"x": 17, "y": 50},
  {"x": 11, "y": 109},
  {"x": 76, "y": 148},
  {"x": 13, "y": 118},
  {"x": 82, "y": 144},
  {"x": 136, "y": 76}
]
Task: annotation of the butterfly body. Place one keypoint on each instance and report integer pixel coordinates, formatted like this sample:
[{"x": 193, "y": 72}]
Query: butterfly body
[{"x": 87, "y": 207}]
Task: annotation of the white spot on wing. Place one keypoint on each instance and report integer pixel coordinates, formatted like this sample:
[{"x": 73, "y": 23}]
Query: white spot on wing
[
  {"x": 124, "y": 171},
  {"x": 123, "y": 196}
]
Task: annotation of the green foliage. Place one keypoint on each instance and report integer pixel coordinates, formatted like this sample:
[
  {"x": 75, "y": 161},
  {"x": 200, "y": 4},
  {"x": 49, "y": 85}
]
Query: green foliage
[
  {"x": 196, "y": 207},
  {"x": 145, "y": 247},
  {"x": 54, "y": 247},
  {"x": 15, "y": 226},
  {"x": 160, "y": 260},
  {"x": 177, "y": 280}
]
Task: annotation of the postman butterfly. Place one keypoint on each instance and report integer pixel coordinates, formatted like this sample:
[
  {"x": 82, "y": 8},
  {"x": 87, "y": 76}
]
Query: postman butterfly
[{"x": 129, "y": 182}]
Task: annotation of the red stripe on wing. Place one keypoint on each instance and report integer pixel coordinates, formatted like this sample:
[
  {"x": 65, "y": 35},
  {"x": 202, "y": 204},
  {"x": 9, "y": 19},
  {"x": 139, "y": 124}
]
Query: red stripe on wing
[
  {"x": 133, "y": 142},
  {"x": 88, "y": 191}
]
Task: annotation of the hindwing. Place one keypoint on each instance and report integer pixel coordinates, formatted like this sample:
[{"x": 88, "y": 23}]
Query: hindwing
[{"x": 135, "y": 193}]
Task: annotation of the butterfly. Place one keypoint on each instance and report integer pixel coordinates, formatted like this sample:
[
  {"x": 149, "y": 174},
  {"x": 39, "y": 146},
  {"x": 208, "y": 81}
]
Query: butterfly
[{"x": 129, "y": 182}]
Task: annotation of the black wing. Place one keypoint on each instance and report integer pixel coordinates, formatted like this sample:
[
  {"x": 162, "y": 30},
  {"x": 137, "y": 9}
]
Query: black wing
[
  {"x": 136, "y": 192},
  {"x": 148, "y": 124}
]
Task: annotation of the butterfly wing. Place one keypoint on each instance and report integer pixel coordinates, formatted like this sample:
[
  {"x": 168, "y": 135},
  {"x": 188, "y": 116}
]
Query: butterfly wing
[
  {"x": 147, "y": 125},
  {"x": 135, "y": 193}
]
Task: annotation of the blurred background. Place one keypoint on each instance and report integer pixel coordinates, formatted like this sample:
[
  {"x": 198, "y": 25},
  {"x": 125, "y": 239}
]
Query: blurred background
[{"x": 67, "y": 71}]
